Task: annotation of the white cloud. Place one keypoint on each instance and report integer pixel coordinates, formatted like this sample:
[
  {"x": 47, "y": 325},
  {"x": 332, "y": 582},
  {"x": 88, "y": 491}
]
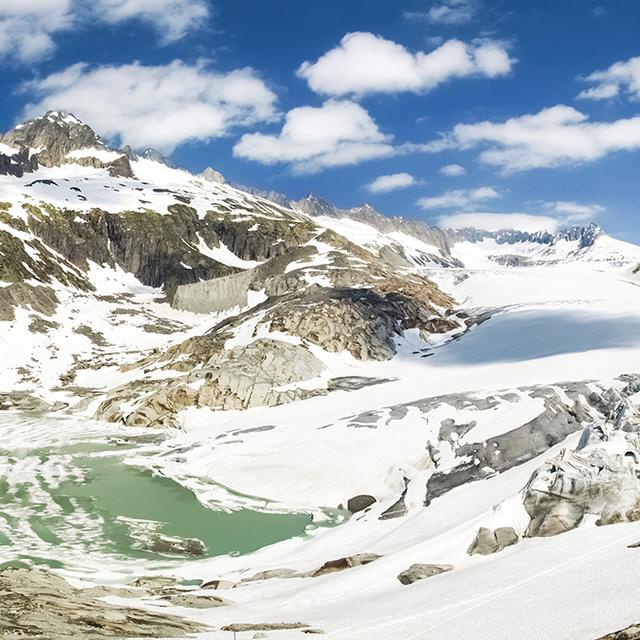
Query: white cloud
[
  {"x": 172, "y": 18},
  {"x": 573, "y": 212},
  {"x": 384, "y": 184},
  {"x": 453, "y": 170},
  {"x": 459, "y": 199},
  {"x": 365, "y": 63},
  {"x": 156, "y": 106},
  {"x": 452, "y": 12},
  {"x": 499, "y": 221},
  {"x": 557, "y": 215},
  {"x": 553, "y": 137},
  {"x": 623, "y": 76},
  {"x": 313, "y": 138},
  {"x": 27, "y": 27}
]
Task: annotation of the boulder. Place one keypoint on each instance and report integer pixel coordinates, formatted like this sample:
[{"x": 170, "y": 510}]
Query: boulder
[
  {"x": 421, "y": 571},
  {"x": 175, "y": 546},
  {"x": 193, "y": 601},
  {"x": 347, "y": 562},
  {"x": 488, "y": 541},
  {"x": 269, "y": 574},
  {"x": 360, "y": 503}
]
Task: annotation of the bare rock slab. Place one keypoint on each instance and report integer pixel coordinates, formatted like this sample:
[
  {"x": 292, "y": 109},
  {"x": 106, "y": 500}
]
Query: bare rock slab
[{"x": 420, "y": 571}]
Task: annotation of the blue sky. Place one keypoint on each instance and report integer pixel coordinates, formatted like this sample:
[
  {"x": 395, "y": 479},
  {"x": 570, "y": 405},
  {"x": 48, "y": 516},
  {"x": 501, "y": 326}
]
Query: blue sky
[{"x": 535, "y": 101}]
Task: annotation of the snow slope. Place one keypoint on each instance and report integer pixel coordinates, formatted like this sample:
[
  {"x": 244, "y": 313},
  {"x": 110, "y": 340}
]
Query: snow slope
[{"x": 581, "y": 324}]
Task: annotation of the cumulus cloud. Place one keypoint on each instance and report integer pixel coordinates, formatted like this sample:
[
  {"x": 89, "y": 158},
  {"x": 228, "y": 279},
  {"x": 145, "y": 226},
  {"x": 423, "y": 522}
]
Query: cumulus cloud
[
  {"x": 172, "y": 18},
  {"x": 621, "y": 77},
  {"x": 453, "y": 170},
  {"x": 459, "y": 198},
  {"x": 27, "y": 27},
  {"x": 392, "y": 182},
  {"x": 156, "y": 106},
  {"x": 499, "y": 221},
  {"x": 365, "y": 63},
  {"x": 314, "y": 138},
  {"x": 559, "y": 135}
]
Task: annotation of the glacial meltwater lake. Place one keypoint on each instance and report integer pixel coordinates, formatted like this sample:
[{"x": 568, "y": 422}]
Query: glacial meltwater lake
[{"x": 68, "y": 499}]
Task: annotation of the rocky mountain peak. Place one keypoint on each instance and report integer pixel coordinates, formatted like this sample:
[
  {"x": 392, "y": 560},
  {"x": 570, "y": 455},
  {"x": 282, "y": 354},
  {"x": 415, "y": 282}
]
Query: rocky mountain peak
[
  {"x": 211, "y": 175},
  {"x": 52, "y": 136},
  {"x": 55, "y": 139},
  {"x": 314, "y": 206},
  {"x": 586, "y": 236},
  {"x": 157, "y": 156}
]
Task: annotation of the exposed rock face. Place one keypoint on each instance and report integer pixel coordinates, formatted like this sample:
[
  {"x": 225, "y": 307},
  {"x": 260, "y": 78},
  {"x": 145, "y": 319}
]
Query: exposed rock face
[
  {"x": 514, "y": 447},
  {"x": 421, "y": 571},
  {"x": 348, "y": 562},
  {"x": 211, "y": 175},
  {"x": 630, "y": 633},
  {"x": 196, "y": 601},
  {"x": 364, "y": 322},
  {"x": 38, "y": 604},
  {"x": 271, "y": 233},
  {"x": 160, "y": 250},
  {"x": 314, "y": 206},
  {"x": 365, "y": 213},
  {"x": 487, "y": 541},
  {"x": 360, "y": 503},
  {"x": 399, "y": 507},
  {"x": 592, "y": 481},
  {"x": 49, "y": 141},
  {"x": 241, "y": 378},
  {"x": 40, "y": 299},
  {"x": 18, "y": 163}
]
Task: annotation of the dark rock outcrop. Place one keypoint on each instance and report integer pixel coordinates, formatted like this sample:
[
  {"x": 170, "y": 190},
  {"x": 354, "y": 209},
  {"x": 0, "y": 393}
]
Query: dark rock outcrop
[
  {"x": 360, "y": 503},
  {"x": 515, "y": 447}
]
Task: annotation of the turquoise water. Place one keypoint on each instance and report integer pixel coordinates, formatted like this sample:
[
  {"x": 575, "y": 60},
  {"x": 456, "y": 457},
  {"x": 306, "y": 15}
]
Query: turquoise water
[
  {"x": 71, "y": 497},
  {"x": 115, "y": 491}
]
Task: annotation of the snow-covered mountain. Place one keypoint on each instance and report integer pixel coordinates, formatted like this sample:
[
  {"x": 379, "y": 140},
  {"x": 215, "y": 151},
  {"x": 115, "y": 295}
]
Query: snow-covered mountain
[
  {"x": 452, "y": 415},
  {"x": 425, "y": 246},
  {"x": 588, "y": 244}
]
